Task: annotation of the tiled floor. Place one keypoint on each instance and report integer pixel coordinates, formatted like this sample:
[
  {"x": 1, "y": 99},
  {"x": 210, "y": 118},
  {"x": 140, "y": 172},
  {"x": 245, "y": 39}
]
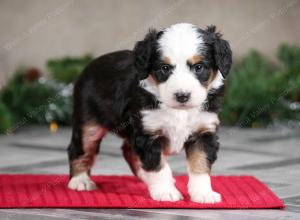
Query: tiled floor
[{"x": 272, "y": 155}]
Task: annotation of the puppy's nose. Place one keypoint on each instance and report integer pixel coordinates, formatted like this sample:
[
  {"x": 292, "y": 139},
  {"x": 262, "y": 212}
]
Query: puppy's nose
[{"x": 182, "y": 97}]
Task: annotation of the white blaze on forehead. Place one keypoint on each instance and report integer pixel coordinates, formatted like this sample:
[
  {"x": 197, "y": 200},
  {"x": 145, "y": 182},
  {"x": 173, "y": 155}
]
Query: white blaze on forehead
[{"x": 180, "y": 42}]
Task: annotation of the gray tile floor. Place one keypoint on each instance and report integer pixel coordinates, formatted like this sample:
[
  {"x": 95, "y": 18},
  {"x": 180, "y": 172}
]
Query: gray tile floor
[{"x": 272, "y": 155}]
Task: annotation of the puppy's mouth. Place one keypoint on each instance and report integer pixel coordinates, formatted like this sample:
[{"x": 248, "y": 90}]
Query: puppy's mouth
[{"x": 183, "y": 106}]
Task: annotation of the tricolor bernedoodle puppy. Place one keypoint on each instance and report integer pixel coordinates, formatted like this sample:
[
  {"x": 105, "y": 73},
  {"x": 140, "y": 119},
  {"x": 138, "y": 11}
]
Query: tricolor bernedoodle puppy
[{"x": 161, "y": 97}]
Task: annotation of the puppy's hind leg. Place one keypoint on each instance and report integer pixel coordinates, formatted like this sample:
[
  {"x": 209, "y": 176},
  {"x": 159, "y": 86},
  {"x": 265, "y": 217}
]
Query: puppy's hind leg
[
  {"x": 131, "y": 157},
  {"x": 82, "y": 151}
]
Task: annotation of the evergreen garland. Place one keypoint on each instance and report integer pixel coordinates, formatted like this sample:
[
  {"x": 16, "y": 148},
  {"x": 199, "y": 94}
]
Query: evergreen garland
[{"x": 258, "y": 93}]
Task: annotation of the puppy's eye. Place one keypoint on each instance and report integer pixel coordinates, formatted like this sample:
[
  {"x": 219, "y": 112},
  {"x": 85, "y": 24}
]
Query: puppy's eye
[
  {"x": 202, "y": 72},
  {"x": 166, "y": 69},
  {"x": 199, "y": 68}
]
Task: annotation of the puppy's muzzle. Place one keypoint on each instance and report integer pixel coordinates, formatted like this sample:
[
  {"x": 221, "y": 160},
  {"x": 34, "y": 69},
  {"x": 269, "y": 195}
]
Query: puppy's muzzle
[{"x": 182, "y": 97}]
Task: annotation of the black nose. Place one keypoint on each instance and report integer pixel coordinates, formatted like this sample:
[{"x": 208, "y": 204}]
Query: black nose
[{"x": 182, "y": 97}]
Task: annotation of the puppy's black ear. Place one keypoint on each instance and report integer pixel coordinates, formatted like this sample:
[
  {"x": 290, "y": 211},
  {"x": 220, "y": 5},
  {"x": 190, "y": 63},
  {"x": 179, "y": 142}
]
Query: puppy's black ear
[
  {"x": 143, "y": 51},
  {"x": 222, "y": 51}
]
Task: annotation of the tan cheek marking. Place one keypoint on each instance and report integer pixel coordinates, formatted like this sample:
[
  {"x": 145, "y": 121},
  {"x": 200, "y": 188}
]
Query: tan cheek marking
[
  {"x": 212, "y": 76},
  {"x": 197, "y": 161},
  {"x": 152, "y": 78}
]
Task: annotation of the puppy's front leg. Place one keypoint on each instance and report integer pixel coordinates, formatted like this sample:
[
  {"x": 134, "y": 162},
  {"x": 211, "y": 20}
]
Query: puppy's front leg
[
  {"x": 161, "y": 184},
  {"x": 201, "y": 152},
  {"x": 155, "y": 171}
]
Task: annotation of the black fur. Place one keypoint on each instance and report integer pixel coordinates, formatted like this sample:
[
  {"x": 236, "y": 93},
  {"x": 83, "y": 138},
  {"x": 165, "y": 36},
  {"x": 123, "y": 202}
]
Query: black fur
[
  {"x": 113, "y": 98},
  {"x": 218, "y": 50},
  {"x": 108, "y": 93},
  {"x": 144, "y": 52},
  {"x": 207, "y": 142},
  {"x": 214, "y": 100}
]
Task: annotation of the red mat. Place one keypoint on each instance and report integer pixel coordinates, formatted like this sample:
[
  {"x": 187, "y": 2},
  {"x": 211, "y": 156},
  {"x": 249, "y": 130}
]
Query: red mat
[{"x": 50, "y": 191}]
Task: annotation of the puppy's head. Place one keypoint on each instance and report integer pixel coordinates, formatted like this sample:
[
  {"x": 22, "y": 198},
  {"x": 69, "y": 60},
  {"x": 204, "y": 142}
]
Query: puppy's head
[{"x": 182, "y": 64}]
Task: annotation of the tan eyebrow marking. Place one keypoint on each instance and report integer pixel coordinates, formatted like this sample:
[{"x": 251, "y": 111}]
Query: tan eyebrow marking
[
  {"x": 167, "y": 60},
  {"x": 195, "y": 59}
]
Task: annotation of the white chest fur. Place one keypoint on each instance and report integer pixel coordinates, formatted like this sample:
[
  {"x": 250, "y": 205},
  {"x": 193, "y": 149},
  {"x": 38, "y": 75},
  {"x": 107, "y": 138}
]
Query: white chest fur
[{"x": 176, "y": 124}]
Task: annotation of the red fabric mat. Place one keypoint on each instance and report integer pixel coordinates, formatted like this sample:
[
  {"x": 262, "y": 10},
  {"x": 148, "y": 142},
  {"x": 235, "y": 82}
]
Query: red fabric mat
[{"x": 50, "y": 191}]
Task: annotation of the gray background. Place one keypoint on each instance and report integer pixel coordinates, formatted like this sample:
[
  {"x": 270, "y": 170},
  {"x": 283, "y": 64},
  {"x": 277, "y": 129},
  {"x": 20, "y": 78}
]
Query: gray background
[{"x": 33, "y": 31}]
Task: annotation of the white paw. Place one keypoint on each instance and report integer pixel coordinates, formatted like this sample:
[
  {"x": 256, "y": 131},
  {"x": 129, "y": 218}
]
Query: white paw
[
  {"x": 82, "y": 182},
  {"x": 160, "y": 193},
  {"x": 205, "y": 197}
]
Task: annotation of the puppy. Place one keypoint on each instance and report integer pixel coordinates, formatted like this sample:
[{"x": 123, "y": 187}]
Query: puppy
[{"x": 161, "y": 97}]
